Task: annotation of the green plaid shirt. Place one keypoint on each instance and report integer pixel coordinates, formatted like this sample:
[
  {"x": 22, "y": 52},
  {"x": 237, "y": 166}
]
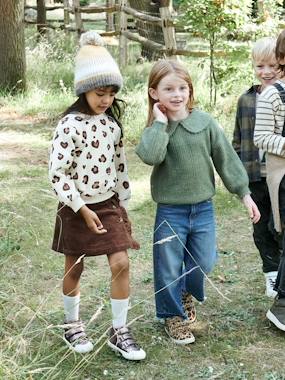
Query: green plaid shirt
[{"x": 243, "y": 133}]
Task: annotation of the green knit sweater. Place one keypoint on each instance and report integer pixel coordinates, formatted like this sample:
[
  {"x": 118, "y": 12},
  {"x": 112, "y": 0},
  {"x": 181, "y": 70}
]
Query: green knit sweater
[{"x": 183, "y": 153}]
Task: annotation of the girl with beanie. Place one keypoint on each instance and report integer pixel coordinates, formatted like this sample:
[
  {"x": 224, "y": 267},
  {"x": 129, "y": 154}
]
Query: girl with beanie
[{"x": 88, "y": 173}]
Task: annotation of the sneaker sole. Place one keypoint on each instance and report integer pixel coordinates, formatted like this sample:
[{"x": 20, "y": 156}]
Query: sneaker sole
[
  {"x": 274, "y": 320},
  {"x": 271, "y": 294},
  {"x": 181, "y": 342},
  {"x": 83, "y": 349},
  {"x": 134, "y": 355}
]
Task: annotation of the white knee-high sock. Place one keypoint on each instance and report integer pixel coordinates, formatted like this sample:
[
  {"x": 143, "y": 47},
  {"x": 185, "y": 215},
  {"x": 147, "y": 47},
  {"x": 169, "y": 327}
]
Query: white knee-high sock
[
  {"x": 119, "y": 312},
  {"x": 71, "y": 307}
]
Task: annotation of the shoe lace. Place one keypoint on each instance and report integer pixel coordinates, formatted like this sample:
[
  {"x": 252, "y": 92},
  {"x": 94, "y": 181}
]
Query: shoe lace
[{"x": 125, "y": 337}]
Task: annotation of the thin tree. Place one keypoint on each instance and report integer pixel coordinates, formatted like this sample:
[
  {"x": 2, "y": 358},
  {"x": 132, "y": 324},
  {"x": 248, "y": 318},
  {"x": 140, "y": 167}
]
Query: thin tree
[
  {"x": 212, "y": 20},
  {"x": 12, "y": 46}
]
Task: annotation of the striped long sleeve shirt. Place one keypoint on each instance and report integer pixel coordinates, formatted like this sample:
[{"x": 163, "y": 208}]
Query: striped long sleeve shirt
[{"x": 270, "y": 116}]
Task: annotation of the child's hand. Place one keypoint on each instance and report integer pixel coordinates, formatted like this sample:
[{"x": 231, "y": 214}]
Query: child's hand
[
  {"x": 92, "y": 220},
  {"x": 252, "y": 209},
  {"x": 159, "y": 112}
]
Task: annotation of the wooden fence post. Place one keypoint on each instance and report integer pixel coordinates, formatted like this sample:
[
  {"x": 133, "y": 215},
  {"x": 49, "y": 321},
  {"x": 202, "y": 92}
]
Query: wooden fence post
[
  {"x": 77, "y": 16},
  {"x": 166, "y": 12},
  {"x": 110, "y": 16},
  {"x": 66, "y": 14},
  {"x": 123, "y": 42},
  {"x": 41, "y": 18}
]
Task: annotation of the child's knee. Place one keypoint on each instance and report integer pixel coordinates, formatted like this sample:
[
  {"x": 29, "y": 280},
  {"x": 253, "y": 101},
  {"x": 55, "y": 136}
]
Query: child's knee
[{"x": 120, "y": 266}]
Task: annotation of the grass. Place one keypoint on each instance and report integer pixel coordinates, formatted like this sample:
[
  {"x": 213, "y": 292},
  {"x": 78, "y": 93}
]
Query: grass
[{"x": 234, "y": 341}]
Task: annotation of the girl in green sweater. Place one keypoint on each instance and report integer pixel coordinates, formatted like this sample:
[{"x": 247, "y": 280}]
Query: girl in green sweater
[{"x": 182, "y": 143}]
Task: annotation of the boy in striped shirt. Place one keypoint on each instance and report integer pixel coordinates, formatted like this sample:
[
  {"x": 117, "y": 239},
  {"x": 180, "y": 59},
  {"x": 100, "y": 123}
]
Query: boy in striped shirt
[
  {"x": 266, "y": 71},
  {"x": 269, "y": 135}
]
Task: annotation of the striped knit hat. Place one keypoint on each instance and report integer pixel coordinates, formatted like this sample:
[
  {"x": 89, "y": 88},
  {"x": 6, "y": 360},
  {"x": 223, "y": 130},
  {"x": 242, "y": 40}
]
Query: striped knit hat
[{"x": 94, "y": 65}]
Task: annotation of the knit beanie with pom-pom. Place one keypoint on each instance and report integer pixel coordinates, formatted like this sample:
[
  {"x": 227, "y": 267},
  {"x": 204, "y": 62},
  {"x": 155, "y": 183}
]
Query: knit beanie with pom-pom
[{"x": 94, "y": 65}]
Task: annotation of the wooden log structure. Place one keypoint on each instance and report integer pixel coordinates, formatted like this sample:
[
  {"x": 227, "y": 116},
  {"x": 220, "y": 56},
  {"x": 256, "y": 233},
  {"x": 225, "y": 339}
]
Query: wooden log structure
[
  {"x": 95, "y": 9},
  {"x": 48, "y": 7},
  {"x": 166, "y": 12},
  {"x": 77, "y": 16},
  {"x": 165, "y": 46},
  {"x": 123, "y": 44}
]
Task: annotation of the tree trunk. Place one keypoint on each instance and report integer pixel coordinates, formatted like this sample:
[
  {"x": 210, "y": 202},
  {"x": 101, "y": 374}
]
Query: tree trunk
[
  {"x": 41, "y": 17},
  {"x": 12, "y": 46}
]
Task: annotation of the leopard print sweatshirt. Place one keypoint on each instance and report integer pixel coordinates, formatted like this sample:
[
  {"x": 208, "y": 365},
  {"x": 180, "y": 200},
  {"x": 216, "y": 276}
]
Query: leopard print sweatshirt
[{"x": 87, "y": 161}]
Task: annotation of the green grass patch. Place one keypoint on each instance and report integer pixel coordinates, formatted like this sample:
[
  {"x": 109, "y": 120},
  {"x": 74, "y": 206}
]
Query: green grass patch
[{"x": 234, "y": 341}]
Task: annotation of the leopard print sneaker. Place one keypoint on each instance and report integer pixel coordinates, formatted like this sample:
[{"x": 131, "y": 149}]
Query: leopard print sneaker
[
  {"x": 178, "y": 329},
  {"x": 189, "y": 307}
]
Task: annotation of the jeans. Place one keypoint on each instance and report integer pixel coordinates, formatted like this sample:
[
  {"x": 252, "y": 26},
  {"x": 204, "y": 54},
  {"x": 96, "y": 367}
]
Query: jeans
[
  {"x": 280, "y": 281},
  {"x": 193, "y": 229},
  {"x": 266, "y": 241}
]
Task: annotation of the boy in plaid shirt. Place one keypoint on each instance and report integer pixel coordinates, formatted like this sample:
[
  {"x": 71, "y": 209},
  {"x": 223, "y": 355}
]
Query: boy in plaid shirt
[
  {"x": 269, "y": 134},
  {"x": 266, "y": 71}
]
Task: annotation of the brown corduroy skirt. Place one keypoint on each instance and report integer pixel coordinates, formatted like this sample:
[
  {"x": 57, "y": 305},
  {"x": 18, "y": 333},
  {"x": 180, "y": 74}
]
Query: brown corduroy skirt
[{"x": 73, "y": 237}]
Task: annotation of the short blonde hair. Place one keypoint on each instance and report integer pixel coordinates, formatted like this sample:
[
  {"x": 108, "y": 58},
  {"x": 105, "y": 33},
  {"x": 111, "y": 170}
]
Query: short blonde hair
[{"x": 263, "y": 49}]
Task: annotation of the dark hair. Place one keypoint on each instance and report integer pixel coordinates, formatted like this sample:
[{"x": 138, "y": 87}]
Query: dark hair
[
  {"x": 280, "y": 49},
  {"x": 81, "y": 105}
]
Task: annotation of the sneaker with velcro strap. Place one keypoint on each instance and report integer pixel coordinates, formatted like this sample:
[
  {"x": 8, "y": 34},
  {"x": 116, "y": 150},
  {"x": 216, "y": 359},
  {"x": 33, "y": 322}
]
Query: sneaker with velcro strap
[
  {"x": 122, "y": 342},
  {"x": 76, "y": 338}
]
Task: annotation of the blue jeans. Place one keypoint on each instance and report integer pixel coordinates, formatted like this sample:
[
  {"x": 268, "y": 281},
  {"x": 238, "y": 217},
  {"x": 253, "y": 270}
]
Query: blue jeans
[{"x": 194, "y": 226}]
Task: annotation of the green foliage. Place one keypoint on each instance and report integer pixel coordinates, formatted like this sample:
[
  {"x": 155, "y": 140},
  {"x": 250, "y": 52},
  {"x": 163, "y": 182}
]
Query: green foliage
[
  {"x": 230, "y": 69},
  {"x": 214, "y": 20},
  {"x": 269, "y": 9}
]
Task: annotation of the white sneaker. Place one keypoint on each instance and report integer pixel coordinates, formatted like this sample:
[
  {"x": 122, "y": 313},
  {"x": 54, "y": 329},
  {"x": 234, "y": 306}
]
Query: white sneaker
[
  {"x": 122, "y": 341},
  {"x": 270, "y": 278},
  {"x": 75, "y": 337}
]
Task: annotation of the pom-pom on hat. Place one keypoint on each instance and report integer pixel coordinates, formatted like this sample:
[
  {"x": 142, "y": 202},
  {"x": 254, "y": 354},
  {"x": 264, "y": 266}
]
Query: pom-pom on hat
[{"x": 94, "y": 65}]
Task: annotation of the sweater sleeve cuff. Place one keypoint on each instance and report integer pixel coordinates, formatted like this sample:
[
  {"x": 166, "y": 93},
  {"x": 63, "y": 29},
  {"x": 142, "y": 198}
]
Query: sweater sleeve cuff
[
  {"x": 159, "y": 124},
  {"x": 77, "y": 204},
  {"x": 243, "y": 192}
]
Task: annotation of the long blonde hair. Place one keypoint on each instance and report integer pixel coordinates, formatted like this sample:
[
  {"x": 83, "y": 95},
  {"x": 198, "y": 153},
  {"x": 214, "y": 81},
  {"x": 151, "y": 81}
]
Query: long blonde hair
[{"x": 159, "y": 70}]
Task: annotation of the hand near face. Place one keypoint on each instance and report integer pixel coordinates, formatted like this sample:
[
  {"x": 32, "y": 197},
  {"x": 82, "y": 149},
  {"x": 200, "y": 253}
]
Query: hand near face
[{"x": 159, "y": 112}]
